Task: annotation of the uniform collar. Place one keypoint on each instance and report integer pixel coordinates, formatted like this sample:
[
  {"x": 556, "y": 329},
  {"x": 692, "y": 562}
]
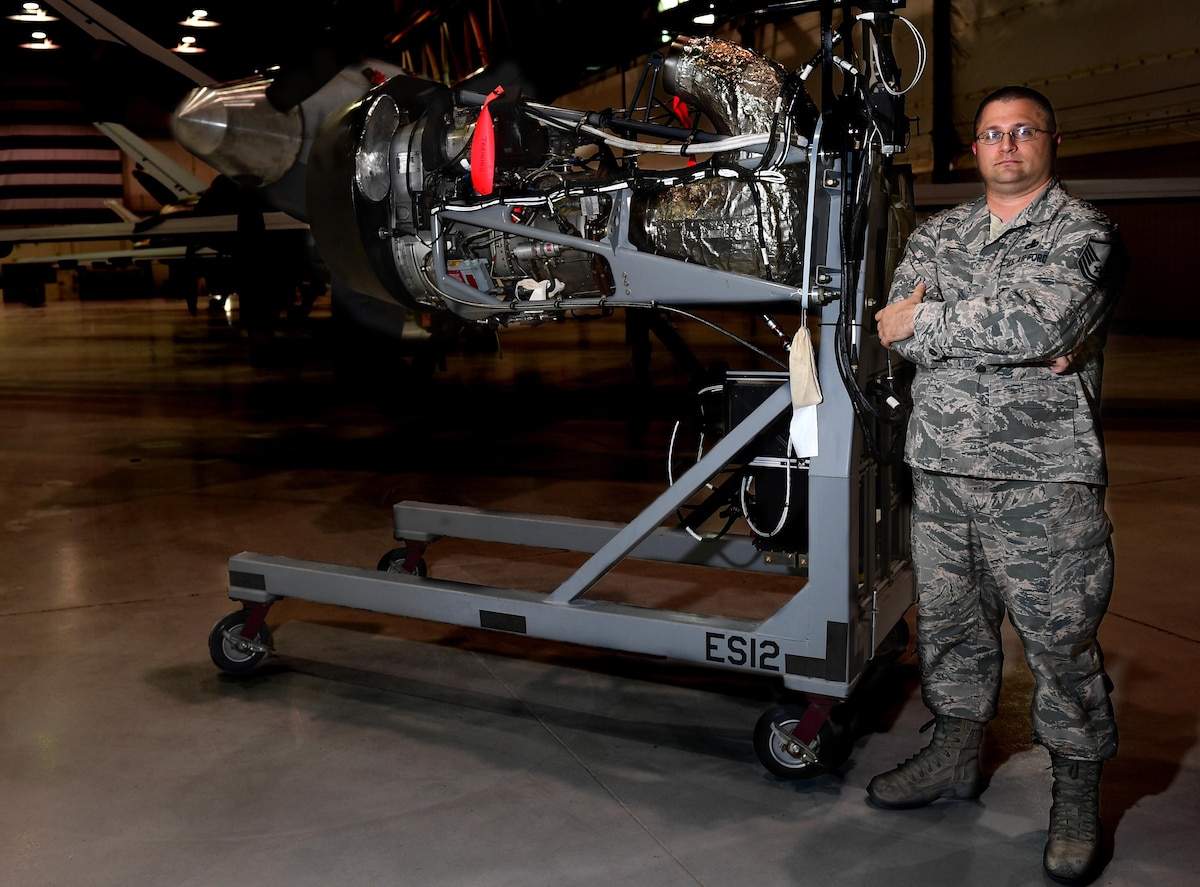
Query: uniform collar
[{"x": 976, "y": 219}]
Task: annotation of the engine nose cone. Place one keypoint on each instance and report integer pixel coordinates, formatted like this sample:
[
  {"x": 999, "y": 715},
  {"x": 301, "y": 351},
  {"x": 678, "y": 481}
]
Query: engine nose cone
[{"x": 234, "y": 129}]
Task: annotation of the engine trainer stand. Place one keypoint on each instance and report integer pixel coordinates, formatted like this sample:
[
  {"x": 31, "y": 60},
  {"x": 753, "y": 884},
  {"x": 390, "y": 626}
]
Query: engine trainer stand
[{"x": 819, "y": 643}]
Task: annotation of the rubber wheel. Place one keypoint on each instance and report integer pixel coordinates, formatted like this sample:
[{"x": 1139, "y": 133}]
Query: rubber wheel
[
  {"x": 230, "y": 655},
  {"x": 393, "y": 562},
  {"x": 831, "y": 744}
]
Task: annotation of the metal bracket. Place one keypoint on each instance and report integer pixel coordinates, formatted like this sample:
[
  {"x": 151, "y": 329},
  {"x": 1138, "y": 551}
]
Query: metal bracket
[
  {"x": 244, "y": 644},
  {"x": 795, "y": 747}
]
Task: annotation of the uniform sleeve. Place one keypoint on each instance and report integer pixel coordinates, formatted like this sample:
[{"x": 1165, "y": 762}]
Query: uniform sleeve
[
  {"x": 916, "y": 266},
  {"x": 1034, "y": 312}
]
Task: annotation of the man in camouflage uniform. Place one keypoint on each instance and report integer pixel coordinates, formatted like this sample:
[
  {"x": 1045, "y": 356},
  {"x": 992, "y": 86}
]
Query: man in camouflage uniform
[{"x": 1002, "y": 305}]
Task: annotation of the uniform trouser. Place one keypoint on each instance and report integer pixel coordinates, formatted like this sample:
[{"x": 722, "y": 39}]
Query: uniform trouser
[{"x": 1040, "y": 552}]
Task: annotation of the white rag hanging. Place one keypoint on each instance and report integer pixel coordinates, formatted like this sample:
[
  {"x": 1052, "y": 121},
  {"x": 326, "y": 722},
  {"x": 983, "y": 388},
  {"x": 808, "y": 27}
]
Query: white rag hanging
[{"x": 806, "y": 394}]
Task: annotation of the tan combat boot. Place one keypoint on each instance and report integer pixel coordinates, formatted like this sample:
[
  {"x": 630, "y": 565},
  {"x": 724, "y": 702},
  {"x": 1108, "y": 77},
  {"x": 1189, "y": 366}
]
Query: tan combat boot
[
  {"x": 1073, "y": 850},
  {"x": 946, "y": 768}
]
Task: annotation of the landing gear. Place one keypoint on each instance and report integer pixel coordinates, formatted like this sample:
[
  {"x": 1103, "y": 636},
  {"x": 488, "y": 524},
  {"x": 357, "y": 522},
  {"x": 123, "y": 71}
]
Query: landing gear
[
  {"x": 232, "y": 649},
  {"x": 799, "y": 741}
]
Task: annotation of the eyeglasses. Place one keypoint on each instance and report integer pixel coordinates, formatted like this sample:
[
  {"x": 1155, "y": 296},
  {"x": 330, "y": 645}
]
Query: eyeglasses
[{"x": 1020, "y": 134}]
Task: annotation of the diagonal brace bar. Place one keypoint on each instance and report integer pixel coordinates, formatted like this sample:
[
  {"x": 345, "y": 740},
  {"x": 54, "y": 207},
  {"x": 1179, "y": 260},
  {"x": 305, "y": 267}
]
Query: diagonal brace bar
[{"x": 619, "y": 547}]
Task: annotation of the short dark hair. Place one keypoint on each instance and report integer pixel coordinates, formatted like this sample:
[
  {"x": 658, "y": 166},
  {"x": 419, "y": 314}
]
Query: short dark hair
[{"x": 1010, "y": 93}]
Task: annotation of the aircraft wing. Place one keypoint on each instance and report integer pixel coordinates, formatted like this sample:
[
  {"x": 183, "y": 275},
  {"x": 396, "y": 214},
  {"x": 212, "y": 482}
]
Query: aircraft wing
[
  {"x": 174, "y": 225},
  {"x": 192, "y": 224},
  {"x": 116, "y": 256},
  {"x": 11, "y": 237},
  {"x": 161, "y": 231},
  {"x": 166, "y": 171},
  {"x": 101, "y": 24}
]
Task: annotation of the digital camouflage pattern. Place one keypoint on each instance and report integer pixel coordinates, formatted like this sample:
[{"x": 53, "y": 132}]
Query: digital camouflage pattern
[
  {"x": 995, "y": 313},
  {"x": 1008, "y": 459},
  {"x": 1049, "y": 566}
]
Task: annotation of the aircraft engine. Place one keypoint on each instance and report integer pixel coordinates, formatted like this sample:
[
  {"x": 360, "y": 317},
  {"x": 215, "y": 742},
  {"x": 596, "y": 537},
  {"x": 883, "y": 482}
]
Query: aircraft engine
[
  {"x": 723, "y": 221},
  {"x": 584, "y": 206},
  {"x": 721, "y": 185}
]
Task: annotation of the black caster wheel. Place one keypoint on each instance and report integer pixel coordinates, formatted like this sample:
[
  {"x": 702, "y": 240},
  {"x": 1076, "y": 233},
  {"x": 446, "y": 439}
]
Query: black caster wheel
[
  {"x": 790, "y": 757},
  {"x": 393, "y": 562},
  {"x": 233, "y": 653}
]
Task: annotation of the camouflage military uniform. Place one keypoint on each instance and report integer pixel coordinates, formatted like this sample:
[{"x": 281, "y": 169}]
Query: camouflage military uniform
[{"x": 1008, "y": 459}]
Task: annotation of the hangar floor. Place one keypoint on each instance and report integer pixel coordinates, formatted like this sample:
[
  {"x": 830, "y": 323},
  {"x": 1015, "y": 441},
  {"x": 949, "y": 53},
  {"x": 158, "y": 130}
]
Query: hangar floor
[{"x": 140, "y": 448}]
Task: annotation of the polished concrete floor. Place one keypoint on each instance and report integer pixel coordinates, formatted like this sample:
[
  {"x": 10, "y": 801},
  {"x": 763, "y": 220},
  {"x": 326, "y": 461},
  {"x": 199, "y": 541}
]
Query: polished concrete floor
[{"x": 140, "y": 448}]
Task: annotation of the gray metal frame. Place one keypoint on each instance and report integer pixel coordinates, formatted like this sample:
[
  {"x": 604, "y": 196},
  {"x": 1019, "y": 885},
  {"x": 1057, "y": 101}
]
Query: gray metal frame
[
  {"x": 854, "y": 581},
  {"x": 817, "y": 642}
]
